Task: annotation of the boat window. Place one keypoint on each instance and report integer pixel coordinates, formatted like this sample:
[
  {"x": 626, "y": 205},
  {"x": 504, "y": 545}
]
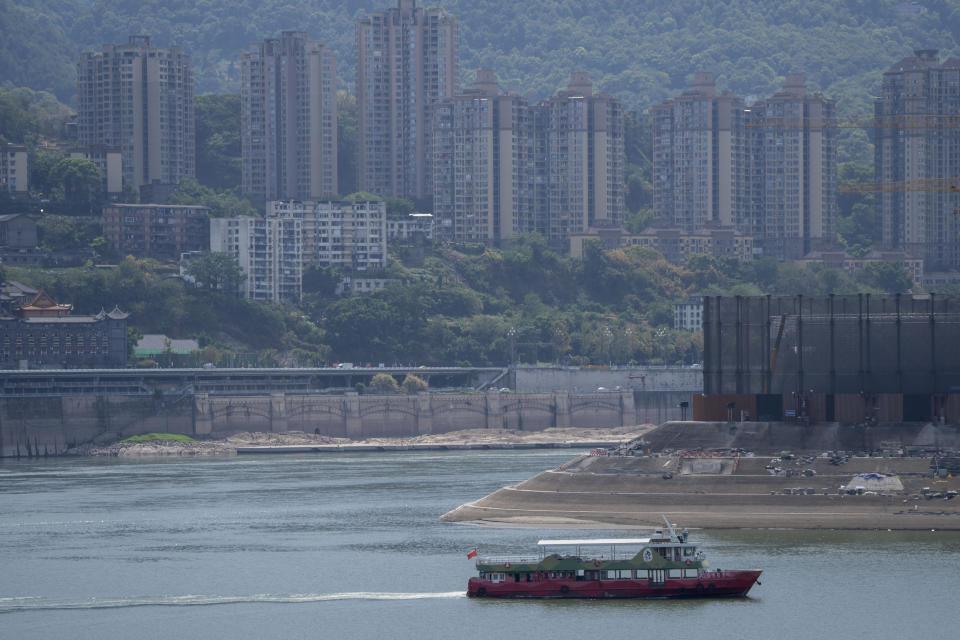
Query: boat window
[
  {"x": 624, "y": 574},
  {"x": 611, "y": 575},
  {"x": 642, "y": 574},
  {"x": 688, "y": 551},
  {"x": 689, "y": 573},
  {"x": 674, "y": 573}
]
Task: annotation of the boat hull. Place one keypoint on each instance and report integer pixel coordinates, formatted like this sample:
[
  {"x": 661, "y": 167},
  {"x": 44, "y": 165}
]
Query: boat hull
[{"x": 713, "y": 584}]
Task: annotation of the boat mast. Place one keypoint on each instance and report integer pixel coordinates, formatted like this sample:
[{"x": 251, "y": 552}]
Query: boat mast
[{"x": 673, "y": 534}]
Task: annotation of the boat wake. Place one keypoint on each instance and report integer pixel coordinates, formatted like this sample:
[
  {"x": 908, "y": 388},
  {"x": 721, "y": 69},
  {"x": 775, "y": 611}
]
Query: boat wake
[{"x": 11, "y": 605}]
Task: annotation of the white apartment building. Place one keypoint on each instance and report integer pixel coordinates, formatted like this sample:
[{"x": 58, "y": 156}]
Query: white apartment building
[
  {"x": 269, "y": 251},
  {"x": 345, "y": 234},
  {"x": 13, "y": 169},
  {"x": 688, "y": 315}
]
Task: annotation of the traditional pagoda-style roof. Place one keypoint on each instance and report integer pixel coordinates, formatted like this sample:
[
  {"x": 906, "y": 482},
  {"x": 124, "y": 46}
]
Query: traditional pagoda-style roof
[{"x": 42, "y": 305}]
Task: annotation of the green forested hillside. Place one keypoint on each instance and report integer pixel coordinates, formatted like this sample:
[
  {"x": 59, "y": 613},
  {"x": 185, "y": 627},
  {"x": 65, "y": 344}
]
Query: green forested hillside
[{"x": 640, "y": 50}]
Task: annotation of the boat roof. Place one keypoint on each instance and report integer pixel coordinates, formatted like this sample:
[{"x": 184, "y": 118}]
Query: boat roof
[{"x": 594, "y": 541}]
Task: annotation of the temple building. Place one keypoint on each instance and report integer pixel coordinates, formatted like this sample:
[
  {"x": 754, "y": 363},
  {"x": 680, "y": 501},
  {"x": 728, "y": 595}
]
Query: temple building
[{"x": 36, "y": 332}]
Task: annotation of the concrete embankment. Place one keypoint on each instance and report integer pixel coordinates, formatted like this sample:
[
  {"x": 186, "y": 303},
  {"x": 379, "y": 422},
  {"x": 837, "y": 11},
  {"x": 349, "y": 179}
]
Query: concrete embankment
[
  {"x": 354, "y": 448},
  {"x": 764, "y": 491}
]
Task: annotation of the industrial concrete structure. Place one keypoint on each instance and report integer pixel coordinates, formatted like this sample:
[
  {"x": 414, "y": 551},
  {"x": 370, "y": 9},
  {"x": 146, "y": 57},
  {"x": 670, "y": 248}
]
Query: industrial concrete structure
[
  {"x": 269, "y": 252},
  {"x": 139, "y": 99},
  {"x": 407, "y": 59},
  {"x": 288, "y": 113},
  {"x": 912, "y": 146},
  {"x": 861, "y": 357}
]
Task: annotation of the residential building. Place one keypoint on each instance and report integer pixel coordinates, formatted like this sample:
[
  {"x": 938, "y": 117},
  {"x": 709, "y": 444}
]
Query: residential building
[
  {"x": 769, "y": 170},
  {"x": 688, "y": 315},
  {"x": 406, "y": 61},
  {"x": 793, "y": 150},
  {"x": 934, "y": 281},
  {"x": 698, "y": 158},
  {"x": 18, "y": 230},
  {"x": 162, "y": 231},
  {"x": 502, "y": 167},
  {"x": 110, "y": 162},
  {"x": 139, "y": 99},
  {"x": 676, "y": 245},
  {"x": 18, "y": 241},
  {"x": 349, "y": 234},
  {"x": 288, "y": 113},
  {"x": 483, "y": 164},
  {"x": 351, "y": 286},
  {"x": 913, "y": 145},
  {"x": 13, "y": 169},
  {"x": 39, "y": 333},
  {"x": 269, "y": 252},
  {"x": 579, "y": 159},
  {"x": 416, "y": 225},
  {"x": 843, "y": 261}
]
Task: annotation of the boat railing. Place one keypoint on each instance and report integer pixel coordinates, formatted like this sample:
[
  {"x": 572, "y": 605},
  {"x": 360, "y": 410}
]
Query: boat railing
[
  {"x": 510, "y": 559},
  {"x": 528, "y": 559}
]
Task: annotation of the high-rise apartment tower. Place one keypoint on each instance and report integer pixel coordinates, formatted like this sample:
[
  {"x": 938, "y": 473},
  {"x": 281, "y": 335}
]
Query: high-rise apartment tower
[
  {"x": 769, "y": 170},
  {"x": 579, "y": 158},
  {"x": 483, "y": 164},
  {"x": 406, "y": 61},
  {"x": 917, "y": 144},
  {"x": 139, "y": 99},
  {"x": 289, "y": 119}
]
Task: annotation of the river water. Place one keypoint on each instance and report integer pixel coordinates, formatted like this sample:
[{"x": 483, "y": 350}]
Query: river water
[{"x": 351, "y": 546}]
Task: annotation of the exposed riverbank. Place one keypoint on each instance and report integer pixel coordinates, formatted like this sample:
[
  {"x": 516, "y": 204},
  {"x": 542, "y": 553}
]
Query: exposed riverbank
[
  {"x": 761, "y": 490},
  {"x": 300, "y": 442}
]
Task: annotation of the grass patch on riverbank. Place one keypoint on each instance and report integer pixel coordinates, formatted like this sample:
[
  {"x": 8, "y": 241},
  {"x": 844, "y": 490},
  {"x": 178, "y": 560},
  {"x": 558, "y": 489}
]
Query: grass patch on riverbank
[{"x": 161, "y": 437}]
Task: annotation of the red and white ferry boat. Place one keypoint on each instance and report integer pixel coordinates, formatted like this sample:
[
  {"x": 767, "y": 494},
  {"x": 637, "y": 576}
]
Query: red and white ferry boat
[{"x": 664, "y": 565}]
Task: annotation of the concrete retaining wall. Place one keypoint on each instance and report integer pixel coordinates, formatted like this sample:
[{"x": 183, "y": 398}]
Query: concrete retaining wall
[
  {"x": 51, "y": 425},
  {"x": 546, "y": 379}
]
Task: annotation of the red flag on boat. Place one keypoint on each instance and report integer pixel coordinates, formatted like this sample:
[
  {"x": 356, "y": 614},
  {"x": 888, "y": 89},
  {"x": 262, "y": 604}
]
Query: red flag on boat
[{"x": 472, "y": 554}]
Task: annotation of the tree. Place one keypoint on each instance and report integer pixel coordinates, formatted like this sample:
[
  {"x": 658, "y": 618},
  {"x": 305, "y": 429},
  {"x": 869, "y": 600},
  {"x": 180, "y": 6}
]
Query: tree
[
  {"x": 413, "y": 384},
  {"x": 223, "y": 204},
  {"x": 890, "y": 277},
  {"x": 218, "y": 140},
  {"x": 217, "y": 272},
  {"x": 384, "y": 383},
  {"x": 17, "y": 124},
  {"x": 347, "y": 142},
  {"x": 79, "y": 184}
]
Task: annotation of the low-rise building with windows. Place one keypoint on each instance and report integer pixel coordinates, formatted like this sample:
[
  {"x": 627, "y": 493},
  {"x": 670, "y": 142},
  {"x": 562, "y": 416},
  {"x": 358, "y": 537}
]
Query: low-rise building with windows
[
  {"x": 162, "y": 231},
  {"x": 13, "y": 169},
  {"x": 688, "y": 315},
  {"x": 676, "y": 245},
  {"x": 843, "y": 261}
]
